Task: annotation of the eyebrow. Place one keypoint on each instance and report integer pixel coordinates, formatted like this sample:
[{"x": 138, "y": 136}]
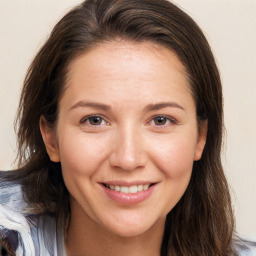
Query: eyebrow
[
  {"x": 148, "y": 108},
  {"x": 89, "y": 104},
  {"x": 157, "y": 106}
]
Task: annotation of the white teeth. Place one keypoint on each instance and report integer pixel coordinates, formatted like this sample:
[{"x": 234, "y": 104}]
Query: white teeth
[
  {"x": 140, "y": 187},
  {"x": 124, "y": 189},
  {"x": 145, "y": 187},
  {"x": 117, "y": 188},
  {"x": 132, "y": 189}
]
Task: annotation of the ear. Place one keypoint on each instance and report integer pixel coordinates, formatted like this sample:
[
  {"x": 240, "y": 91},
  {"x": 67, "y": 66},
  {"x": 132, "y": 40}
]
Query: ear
[
  {"x": 50, "y": 140},
  {"x": 201, "y": 140}
]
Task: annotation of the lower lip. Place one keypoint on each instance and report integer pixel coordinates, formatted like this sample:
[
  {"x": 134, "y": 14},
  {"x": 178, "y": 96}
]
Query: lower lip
[{"x": 128, "y": 198}]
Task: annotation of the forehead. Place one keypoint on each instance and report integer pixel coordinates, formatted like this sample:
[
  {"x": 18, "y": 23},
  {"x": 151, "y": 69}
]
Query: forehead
[
  {"x": 111, "y": 55},
  {"x": 127, "y": 65}
]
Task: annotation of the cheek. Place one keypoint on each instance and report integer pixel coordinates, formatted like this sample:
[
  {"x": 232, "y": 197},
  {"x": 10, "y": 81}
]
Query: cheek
[
  {"x": 80, "y": 154},
  {"x": 175, "y": 156}
]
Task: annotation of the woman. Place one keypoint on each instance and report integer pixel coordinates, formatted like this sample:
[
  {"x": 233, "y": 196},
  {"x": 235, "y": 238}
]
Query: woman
[{"x": 120, "y": 130}]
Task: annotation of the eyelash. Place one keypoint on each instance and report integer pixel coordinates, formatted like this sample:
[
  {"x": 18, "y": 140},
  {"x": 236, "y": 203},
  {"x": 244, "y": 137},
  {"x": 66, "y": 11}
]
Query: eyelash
[
  {"x": 172, "y": 120},
  {"x": 85, "y": 120}
]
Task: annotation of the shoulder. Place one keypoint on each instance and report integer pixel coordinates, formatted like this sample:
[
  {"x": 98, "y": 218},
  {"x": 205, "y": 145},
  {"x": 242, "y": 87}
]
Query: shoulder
[
  {"x": 245, "y": 247},
  {"x": 10, "y": 194},
  {"x": 14, "y": 228},
  {"x": 22, "y": 233}
]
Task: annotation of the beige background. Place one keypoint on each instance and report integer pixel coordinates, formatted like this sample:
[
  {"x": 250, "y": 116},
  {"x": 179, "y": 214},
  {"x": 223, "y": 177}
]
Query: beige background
[{"x": 230, "y": 26}]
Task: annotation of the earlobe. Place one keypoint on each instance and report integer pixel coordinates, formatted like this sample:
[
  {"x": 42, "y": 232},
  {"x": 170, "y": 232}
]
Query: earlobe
[
  {"x": 50, "y": 141},
  {"x": 201, "y": 140}
]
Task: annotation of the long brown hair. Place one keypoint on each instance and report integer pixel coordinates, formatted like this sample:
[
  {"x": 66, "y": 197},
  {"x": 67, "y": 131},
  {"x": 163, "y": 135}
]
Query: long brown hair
[{"x": 202, "y": 221}]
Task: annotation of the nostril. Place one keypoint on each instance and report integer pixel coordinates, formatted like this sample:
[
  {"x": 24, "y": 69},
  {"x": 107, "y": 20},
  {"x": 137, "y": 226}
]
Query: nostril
[{"x": 127, "y": 161}]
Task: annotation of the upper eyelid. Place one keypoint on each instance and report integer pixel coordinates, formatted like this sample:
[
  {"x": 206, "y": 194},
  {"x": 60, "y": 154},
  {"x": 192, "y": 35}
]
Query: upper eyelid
[
  {"x": 84, "y": 119},
  {"x": 165, "y": 116},
  {"x": 93, "y": 115}
]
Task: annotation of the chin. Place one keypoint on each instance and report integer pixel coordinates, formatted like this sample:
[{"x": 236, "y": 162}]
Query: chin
[
  {"x": 129, "y": 231},
  {"x": 134, "y": 227}
]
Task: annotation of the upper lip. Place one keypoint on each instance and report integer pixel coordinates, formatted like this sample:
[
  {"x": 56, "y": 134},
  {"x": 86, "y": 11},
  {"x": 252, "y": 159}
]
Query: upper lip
[{"x": 127, "y": 183}]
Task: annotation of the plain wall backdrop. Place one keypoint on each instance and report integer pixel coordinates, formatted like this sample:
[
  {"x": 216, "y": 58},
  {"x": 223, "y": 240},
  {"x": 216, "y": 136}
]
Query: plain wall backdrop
[{"x": 229, "y": 25}]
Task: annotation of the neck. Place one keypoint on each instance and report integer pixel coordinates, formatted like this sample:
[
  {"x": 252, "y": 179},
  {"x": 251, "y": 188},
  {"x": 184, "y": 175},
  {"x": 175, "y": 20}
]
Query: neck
[{"x": 86, "y": 237}]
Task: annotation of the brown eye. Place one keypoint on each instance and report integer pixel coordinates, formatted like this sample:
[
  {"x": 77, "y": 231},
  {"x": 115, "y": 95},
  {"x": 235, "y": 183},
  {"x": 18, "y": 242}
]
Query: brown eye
[
  {"x": 160, "y": 120},
  {"x": 95, "y": 120},
  {"x": 163, "y": 121}
]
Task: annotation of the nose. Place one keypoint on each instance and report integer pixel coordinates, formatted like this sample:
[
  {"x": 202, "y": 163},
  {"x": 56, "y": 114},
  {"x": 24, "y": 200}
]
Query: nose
[{"x": 128, "y": 152}]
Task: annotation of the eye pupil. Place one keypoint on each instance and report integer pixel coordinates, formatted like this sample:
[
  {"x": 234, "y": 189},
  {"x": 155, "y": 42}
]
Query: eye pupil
[
  {"x": 160, "y": 120},
  {"x": 95, "y": 120}
]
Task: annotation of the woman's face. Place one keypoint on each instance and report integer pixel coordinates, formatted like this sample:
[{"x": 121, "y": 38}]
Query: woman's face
[{"x": 126, "y": 136}]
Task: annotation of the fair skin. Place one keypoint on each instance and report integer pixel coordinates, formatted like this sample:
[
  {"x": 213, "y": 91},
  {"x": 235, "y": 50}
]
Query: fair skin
[{"x": 143, "y": 136}]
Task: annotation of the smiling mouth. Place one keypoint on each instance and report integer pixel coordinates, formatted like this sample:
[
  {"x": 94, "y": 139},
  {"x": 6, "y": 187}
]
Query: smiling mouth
[{"x": 129, "y": 190}]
